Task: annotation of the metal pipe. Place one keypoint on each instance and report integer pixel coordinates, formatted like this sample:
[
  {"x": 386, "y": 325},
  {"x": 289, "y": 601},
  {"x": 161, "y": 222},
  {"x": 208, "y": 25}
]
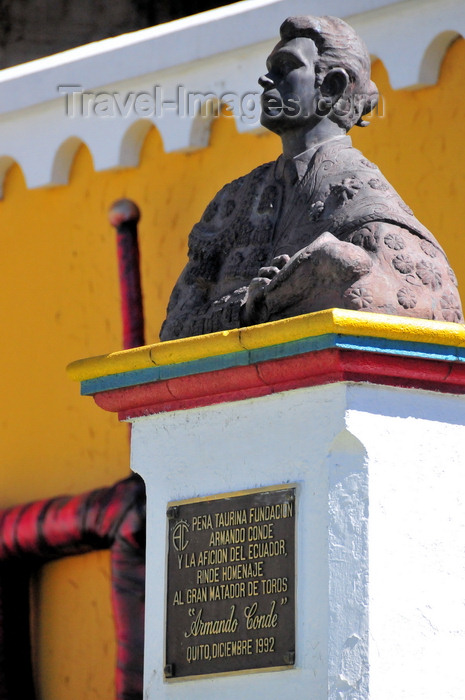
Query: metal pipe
[{"x": 124, "y": 215}]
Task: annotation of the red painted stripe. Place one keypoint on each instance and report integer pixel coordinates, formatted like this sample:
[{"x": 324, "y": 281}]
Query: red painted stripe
[
  {"x": 194, "y": 403},
  {"x": 213, "y": 383},
  {"x": 134, "y": 396},
  {"x": 309, "y": 369}
]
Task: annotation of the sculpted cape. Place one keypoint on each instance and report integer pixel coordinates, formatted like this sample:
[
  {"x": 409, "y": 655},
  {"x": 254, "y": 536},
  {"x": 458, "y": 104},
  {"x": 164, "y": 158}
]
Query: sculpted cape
[{"x": 356, "y": 245}]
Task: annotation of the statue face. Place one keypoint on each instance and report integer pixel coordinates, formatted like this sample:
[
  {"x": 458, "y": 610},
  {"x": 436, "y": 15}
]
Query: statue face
[{"x": 289, "y": 94}]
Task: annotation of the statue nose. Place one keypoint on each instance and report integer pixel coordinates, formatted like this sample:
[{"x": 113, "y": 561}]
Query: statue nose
[{"x": 265, "y": 81}]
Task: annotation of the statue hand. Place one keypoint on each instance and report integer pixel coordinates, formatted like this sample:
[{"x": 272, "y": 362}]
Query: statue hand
[{"x": 254, "y": 310}]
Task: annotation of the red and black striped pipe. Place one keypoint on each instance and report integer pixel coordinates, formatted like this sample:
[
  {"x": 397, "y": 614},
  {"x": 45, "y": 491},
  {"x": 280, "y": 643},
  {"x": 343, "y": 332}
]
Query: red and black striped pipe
[
  {"x": 124, "y": 216},
  {"x": 109, "y": 518}
]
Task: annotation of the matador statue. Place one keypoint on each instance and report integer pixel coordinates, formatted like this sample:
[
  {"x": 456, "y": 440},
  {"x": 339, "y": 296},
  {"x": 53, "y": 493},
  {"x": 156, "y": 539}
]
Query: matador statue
[{"x": 320, "y": 227}]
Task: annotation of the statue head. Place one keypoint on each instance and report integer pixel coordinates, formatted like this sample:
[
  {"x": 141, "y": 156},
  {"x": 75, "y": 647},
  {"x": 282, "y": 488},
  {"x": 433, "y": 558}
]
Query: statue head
[{"x": 319, "y": 69}]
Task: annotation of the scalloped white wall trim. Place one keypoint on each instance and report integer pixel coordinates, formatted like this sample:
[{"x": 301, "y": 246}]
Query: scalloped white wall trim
[{"x": 218, "y": 52}]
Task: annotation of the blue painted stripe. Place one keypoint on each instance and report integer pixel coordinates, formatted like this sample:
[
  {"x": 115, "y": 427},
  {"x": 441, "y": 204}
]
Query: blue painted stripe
[{"x": 406, "y": 348}]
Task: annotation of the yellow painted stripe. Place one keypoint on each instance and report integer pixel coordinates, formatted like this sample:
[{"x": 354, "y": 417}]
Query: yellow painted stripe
[
  {"x": 174, "y": 351},
  {"x": 338, "y": 321}
]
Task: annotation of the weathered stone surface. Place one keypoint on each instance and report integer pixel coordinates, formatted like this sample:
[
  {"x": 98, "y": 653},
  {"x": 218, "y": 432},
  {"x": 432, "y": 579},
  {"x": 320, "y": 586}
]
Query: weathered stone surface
[{"x": 321, "y": 227}]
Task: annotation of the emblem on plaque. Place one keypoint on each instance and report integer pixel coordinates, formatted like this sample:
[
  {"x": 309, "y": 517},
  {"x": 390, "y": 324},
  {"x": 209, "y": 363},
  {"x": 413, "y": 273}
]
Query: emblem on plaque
[{"x": 180, "y": 540}]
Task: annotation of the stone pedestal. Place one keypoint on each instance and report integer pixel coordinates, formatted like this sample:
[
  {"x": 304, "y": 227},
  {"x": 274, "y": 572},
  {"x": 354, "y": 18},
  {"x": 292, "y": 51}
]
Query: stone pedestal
[{"x": 364, "y": 415}]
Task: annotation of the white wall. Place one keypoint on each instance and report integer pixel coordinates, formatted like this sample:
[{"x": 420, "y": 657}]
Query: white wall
[
  {"x": 380, "y": 533},
  {"x": 220, "y": 51},
  {"x": 414, "y": 442}
]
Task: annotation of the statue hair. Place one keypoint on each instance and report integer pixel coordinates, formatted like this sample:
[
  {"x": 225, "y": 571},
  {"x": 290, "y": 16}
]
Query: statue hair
[{"x": 338, "y": 46}]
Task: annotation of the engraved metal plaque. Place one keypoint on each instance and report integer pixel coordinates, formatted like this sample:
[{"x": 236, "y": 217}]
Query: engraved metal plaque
[{"x": 231, "y": 583}]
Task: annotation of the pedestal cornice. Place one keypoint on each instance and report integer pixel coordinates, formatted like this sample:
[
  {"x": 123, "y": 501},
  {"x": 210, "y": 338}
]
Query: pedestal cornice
[{"x": 319, "y": 348}]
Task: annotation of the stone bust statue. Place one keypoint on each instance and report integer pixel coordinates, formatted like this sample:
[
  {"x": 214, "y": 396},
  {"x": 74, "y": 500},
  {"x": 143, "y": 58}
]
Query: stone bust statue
[{"x": 320, "y": 227}]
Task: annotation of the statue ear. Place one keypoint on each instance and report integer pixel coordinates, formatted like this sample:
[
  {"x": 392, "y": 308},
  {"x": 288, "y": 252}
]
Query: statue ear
[{"x": 334, "y": 83}]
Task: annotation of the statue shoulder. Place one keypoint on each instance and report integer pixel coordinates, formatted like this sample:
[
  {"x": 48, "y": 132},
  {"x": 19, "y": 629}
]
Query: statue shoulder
[{"x": 355, "y": 192}]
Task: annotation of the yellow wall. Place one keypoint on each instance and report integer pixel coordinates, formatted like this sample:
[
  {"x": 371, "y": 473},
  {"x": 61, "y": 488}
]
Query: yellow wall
[{"x": 61, "y": 302}]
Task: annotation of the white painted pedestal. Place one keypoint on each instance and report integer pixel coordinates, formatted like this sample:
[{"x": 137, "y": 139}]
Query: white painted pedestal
[
  {"x": 380, "y": 534},
  {"x": 342, "y": 405}
]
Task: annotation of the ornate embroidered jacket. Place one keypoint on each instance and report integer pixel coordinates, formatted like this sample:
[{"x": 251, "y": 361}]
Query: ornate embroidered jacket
[{"x": 262, "y": 215}]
